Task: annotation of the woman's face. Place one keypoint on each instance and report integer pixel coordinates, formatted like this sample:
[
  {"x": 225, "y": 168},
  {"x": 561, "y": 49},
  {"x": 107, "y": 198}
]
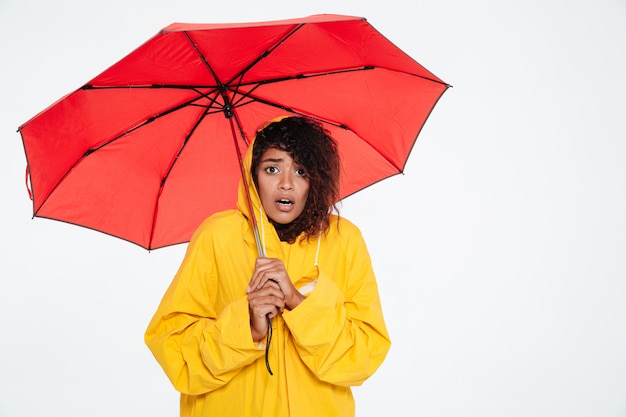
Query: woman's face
[{"x": 283, "y": 186}]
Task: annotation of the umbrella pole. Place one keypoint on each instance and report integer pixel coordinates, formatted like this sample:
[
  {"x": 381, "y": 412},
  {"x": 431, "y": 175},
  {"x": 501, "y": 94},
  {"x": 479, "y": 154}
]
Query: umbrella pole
[{"x": 255, "y": 228}]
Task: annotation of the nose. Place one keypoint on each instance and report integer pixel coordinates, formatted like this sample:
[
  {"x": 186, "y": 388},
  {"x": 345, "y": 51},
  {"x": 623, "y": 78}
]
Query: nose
[{"x": 285, "y": 183}]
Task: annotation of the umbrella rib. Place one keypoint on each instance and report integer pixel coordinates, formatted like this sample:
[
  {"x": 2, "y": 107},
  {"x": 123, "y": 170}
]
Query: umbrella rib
[
  {"x": 305, "y": 76},
  {"x": 335, "y": 72},
  {"x": 152, "y": 119},
  {"x": 203, "y": 59},
  {"x": 228, "y": 111},
  {"x": 149, "y": 86},
  {"x": 251, "y": 98},
  {"x": 264, "y": 54},
  {"x": 256, "y": 84},
  {"x": 167, "y": 174},
  {"x": 196, "y": 88}
]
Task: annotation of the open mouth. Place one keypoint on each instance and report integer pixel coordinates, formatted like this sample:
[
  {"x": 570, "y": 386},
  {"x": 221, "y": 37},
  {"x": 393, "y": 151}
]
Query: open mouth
[{"x": 284, "y": 202}]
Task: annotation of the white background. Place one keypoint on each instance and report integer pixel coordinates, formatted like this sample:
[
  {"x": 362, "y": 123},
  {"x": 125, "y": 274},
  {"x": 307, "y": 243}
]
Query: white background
[{"x": 500, "y": 254}]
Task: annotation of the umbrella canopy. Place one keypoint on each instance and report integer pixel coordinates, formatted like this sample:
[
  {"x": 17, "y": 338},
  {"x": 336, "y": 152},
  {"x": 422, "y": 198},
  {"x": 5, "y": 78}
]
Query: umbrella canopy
[{"x": 150, "y": 147}]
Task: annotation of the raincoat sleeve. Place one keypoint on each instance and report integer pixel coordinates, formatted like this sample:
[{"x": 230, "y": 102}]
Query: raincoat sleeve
[
  {"x": 339, "y": 330},
  {"x": 199, "y": 348}
]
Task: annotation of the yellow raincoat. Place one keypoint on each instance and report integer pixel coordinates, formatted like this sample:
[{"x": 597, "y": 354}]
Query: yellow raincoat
[{"x": 336, "y": 338}]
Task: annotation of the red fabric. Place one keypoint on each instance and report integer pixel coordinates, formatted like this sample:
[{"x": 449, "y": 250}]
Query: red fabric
[{"x": 97, "y": 159}]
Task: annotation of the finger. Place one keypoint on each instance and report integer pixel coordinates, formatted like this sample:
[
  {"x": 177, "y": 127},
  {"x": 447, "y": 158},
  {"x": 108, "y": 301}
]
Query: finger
[
  {"x": 258, "y": 278},
  {"x": 255, "y": 281},
  {"x": 269, "y": 295},
  {"x": 269, "y": 289},
  {"x": 261, "y": 279},
  {"x": 271, "y": 283},
  {"x": 260, "y": 312}
]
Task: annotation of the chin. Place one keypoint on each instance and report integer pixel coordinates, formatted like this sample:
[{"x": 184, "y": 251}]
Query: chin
[{"x": 282, "y": 222}]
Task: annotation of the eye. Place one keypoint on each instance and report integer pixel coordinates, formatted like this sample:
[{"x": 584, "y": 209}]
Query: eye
[
  {"x": 272, "y": 169},
  {"x": 300, "y": 172}
]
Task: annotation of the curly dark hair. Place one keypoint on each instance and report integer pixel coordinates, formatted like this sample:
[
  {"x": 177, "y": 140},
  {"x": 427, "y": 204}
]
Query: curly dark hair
[{"x": 312, "y": 147}]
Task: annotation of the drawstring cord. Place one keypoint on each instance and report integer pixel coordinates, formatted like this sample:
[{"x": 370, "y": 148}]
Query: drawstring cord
[
  {"x": 317, "y": 252},
  {"x": 268, "y": 340}
]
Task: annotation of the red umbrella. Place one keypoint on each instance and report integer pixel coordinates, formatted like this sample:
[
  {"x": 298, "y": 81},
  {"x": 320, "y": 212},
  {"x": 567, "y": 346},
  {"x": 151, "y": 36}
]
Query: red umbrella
[{"x": 150, "y": 147}]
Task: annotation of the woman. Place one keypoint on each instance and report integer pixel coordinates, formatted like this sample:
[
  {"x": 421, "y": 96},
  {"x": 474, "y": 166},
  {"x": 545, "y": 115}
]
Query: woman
[{"x": 315, "y": 283}]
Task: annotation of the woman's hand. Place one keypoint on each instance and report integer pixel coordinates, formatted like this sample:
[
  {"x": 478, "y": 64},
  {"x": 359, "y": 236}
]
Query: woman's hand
[
  {"x": 268, "y": 270},
  {"x": 266, "y": 301}
]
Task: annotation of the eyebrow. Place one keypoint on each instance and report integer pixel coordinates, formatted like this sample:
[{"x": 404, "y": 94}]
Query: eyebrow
[{"x": 272, "y": 160}]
